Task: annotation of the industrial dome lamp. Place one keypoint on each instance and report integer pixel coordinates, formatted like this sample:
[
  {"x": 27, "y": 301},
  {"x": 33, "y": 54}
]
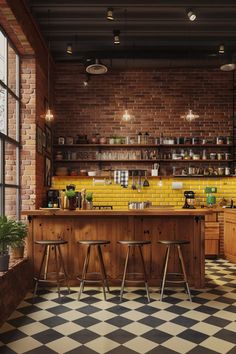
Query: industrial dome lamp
[
  {"x": 228, "y": 63},
  {"x": 96, "y": 68}
]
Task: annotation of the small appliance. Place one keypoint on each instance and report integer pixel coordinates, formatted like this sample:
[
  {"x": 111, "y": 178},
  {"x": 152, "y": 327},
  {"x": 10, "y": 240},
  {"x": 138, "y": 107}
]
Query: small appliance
[
  {"x": 52, "y": 198},
  {"x": 210, "y": 199},
  {"x": 189, "y": 200}
]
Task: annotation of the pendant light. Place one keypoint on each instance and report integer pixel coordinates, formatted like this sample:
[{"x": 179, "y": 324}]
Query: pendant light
[
  {"x": 49, "y": 115},
  {"x": 190, "y": 116},
  {"x": 126, "y": 116}
]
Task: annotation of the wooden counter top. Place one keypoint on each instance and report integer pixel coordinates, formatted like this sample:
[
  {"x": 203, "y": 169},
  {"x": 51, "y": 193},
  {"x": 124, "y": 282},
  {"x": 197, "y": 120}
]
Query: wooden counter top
[{"x": 134, "y": 212}]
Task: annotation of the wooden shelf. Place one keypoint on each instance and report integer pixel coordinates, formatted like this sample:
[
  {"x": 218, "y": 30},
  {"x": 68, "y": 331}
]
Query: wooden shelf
[
  {"x": 142, "y": 160},
  {"x": 143, "y": 145}
]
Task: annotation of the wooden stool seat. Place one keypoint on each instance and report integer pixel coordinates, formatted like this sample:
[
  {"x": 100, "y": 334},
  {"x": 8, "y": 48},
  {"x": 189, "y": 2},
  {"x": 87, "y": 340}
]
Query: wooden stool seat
[
  {"x": 43, "y": 274},
  {"x": 94, "y": 242},
  {"x": 51, "y": 242},
  {"x": 134, "y": 242},
  {"x": 165, "y": 274},
  {"x": 173, "y": 242},
  {"x": 83, "y": 279},
  {"x": 130, "y": 244}
]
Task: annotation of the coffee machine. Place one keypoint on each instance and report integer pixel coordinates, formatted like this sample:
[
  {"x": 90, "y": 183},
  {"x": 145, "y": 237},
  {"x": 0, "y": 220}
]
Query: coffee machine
[
  {"x": 189, "y": 200},
  {"x": 52, "y": 198}
]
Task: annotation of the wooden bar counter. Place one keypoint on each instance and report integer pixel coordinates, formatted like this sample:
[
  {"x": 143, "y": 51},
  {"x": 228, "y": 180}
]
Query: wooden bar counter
[{"x": 147, "y": 224}]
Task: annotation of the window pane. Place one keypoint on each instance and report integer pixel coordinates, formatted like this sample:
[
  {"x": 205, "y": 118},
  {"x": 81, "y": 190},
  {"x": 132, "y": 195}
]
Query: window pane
[
  {"x": 12, "y": 117},
  {"x": 11, "y": 201},
  {"x": 3, "y": 95},
  {"x": 2, "y": 57},
  {"x": 1, "y": 163},
  {"x": 12, "y": 69},
  {"x": 10, "y": 164}
]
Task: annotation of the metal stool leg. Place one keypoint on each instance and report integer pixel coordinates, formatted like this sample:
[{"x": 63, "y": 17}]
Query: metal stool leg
[
  {"x": 124, "y": 274},
  {"x": 165, "y": 271},
  {"x": 47, "y": 261},
  {"x": 64, "y": 269},
  {"x": 103, "y": 269},
  {"x": 57, "y": 272},
  {"x": 40, "y": 271},
  {"x": 85, "y": 268},
  {"x": 184, "y": 271},
  {"x": 144, "y": 272}
]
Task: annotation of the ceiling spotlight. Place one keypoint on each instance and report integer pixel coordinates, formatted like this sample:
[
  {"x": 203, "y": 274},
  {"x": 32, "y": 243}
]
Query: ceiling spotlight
[
  {"x": 110, "y": 14},
  {"x": 69, "y": 49},
  {"x": 191, "y": 15},
  {"x": 221, "y": 49},
  {"x": 116, "y": 38}
]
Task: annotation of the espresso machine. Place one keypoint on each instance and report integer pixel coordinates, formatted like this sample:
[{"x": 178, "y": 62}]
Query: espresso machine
[
  {"x": 189, "y": 200},
  {"x": 52, "y": 198}
]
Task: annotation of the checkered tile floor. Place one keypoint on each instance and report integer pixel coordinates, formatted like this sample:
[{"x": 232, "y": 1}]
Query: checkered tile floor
[{"x": 92, "y": 325}]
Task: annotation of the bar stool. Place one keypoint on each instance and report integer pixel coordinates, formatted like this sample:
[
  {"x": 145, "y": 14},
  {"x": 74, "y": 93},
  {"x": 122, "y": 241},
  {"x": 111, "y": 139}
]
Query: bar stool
[
  {"x": 139, "y": 245},
  {"x": 43, "y": 273},
  {"x": 97, "y": 244},
  {"x": 169, "y": 244}
]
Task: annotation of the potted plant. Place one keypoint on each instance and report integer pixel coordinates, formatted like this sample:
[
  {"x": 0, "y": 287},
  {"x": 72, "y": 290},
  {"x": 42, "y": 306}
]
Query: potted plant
[
  {"x": 89, "y": 200},
  {"x": 72, "y": 200},
  {"x": 18, "y": 244},
  {"x": 8, "y": 235}
]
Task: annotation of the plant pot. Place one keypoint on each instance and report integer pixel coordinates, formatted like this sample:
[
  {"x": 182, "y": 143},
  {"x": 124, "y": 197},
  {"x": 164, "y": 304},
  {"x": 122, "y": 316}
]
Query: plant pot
[
  {"x": 72, "y": 203},
  {"x": 4, "y": 262},
  {"x": 89, "y": 205},
  {"x": 17, "y": 252}
]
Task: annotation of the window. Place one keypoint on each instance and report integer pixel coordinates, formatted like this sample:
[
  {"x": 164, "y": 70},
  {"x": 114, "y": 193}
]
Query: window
[{"x": 9, "y": 129}]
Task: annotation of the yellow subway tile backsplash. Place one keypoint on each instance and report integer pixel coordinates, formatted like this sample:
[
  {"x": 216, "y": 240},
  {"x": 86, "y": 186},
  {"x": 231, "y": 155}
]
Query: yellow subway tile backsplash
[{"x": 119, "y": 197}]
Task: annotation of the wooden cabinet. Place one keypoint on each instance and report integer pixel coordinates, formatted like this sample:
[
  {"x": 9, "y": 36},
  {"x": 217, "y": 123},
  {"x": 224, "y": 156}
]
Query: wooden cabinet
[
  {"x": 212, "y": 235},
  {"x": 230, "y": 235}
]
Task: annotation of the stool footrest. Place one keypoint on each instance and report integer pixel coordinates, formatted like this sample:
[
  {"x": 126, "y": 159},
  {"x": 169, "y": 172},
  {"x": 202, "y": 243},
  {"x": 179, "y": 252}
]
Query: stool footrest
[{"x": 175, "y": 281}]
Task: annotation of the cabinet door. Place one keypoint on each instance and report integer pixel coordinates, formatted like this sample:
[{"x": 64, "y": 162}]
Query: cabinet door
[
  {"x": 230, "y": 240},
  {"x": 212, "y": 235}
]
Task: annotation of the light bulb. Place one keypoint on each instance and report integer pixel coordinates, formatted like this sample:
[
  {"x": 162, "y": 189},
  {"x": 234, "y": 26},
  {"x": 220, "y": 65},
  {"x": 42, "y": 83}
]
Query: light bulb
[
  {"x": 126, "y": 116},
  {"x": 49, "y": 115},
  {"x": 160, "y": 183},
  {"x": 190, "y": 116}
]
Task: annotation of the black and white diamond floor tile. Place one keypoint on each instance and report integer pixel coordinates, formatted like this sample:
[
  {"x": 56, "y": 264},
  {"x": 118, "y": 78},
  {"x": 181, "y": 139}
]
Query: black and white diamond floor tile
[{"x": 207, "y": 325}]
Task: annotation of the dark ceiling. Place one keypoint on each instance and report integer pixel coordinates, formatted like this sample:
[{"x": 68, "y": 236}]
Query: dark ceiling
[{"x": 152, "y": 31}]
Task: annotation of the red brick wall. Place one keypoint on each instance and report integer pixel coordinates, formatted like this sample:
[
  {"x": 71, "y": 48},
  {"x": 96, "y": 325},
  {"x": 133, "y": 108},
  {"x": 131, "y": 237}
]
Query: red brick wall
[{"x": 155, "y": 98}]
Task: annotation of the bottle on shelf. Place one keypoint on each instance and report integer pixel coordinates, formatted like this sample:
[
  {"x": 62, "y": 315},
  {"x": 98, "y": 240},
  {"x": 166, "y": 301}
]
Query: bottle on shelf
[{"x": 139, "y": 138}]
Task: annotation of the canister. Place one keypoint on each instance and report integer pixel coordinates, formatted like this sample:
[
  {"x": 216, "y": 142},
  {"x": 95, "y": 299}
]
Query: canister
[{"x": 61, "y": 140}]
